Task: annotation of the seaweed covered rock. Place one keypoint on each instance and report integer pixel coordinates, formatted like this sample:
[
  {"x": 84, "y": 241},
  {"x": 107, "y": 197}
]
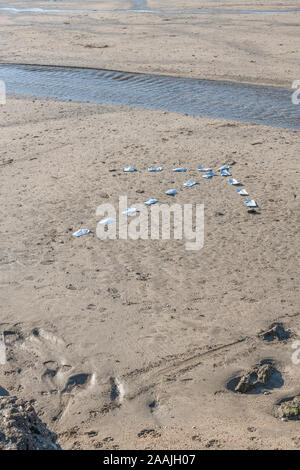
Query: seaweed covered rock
[
  {"x": 289, "y": 409},
  {"x": 21, "y": 429}
]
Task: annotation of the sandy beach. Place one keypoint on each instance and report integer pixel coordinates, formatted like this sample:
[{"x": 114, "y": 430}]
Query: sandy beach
[
  {"x": 131, "y": 344},
  {"x": 243, "y": 48}
]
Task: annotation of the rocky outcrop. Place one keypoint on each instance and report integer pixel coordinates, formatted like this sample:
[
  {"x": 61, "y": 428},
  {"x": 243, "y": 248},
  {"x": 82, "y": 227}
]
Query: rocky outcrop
[
  {"x": 261, "y": 378},
  {"x": 255, "y": 378},
  {"x": 21, "y": 429}
]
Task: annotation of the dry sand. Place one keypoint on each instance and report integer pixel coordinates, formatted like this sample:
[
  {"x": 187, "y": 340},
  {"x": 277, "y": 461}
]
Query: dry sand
[
  {"x": 256, "y": 49},
  {"x": 130, "y": 344}
]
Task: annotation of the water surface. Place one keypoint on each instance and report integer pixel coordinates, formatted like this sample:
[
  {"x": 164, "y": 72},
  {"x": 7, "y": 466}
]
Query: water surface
[
  {"x": 137, "y": 7},
  {"x": 225, "y": 100}
]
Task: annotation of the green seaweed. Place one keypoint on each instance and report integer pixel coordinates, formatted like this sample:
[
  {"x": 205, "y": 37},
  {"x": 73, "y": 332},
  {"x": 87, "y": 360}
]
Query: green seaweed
[{"x": 290, "y": 409}]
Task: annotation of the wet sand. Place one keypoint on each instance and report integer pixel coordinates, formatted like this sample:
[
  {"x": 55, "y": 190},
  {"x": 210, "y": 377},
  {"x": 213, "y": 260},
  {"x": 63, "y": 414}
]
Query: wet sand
[{"x": 131, "y": 344}]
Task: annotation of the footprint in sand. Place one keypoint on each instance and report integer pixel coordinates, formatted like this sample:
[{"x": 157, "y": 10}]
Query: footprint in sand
[
  {"x": 78, "y": 381},
  {"x": 117, "y": 391}
]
